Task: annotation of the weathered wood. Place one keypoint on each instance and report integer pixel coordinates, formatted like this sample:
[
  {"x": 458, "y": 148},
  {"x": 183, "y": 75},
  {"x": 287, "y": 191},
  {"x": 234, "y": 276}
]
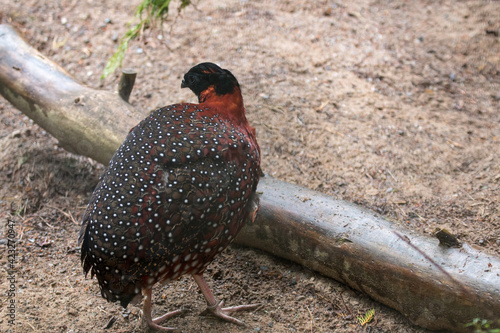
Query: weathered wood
[
  {"x": 336, "y": 238},
  {"x": 361, "y": 249},
  {"x": 86, "y": 121},
  {"x": 126, "y": 83}
]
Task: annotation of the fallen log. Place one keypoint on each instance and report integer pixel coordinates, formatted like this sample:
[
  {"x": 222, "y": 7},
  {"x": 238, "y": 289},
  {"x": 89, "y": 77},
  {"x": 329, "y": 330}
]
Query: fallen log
[
  {"x": 382, "y": 259},
  {"x": 338, "y": 239},
  {"x": 86, "y": 121}
]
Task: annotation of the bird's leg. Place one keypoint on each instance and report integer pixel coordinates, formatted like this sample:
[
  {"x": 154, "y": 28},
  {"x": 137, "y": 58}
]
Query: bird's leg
[
  {"x": 215, "y": 308},
  {"x": 153, "y": 323}
]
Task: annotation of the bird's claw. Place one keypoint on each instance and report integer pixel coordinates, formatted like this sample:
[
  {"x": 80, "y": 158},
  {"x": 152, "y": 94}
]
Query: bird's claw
[
  {"x": 169, "y": 315},
  {"x": 223, "y": 313}
]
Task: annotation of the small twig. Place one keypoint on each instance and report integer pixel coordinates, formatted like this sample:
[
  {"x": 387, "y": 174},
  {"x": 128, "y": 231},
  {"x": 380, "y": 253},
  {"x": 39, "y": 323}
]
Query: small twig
[
  {"x": 21, "y": 233},
  {"x": 419, "y": 216},
  {"x": 277, "y": 109},
  {"x": 345, "y": 305},
  {"x": 34, "y": 330},
  {"x": 110, "y": 323},
  {"x": 42, "y": 223},
  {"x": 312, "y": 319},
  {"x": 454, "y": 143},
  {"x": 27, "y": 220},
  {"x": 68, "y": 215},
  {"x": 322, "y": 106},
  {"x": 390, "y": 174},
  {"x": 323, "y": 297}
]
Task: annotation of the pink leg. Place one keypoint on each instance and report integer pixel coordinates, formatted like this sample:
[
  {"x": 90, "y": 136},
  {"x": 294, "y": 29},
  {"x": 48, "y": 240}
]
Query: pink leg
[
  {"x": 153, "y": 323},
  {"x": 215, "y": 308}
]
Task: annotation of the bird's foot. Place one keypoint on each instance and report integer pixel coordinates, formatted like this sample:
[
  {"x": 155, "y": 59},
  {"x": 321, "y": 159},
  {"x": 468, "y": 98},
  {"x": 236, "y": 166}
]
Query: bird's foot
[
  {"x": 168, "y": 315},
  {"x": 153, "y": 323},
  {"x": 218, "y": 311}
]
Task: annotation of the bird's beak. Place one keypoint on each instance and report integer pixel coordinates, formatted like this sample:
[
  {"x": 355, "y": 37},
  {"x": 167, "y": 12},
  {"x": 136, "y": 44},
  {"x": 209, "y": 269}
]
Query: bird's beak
[{"x": 183, "y": 84}]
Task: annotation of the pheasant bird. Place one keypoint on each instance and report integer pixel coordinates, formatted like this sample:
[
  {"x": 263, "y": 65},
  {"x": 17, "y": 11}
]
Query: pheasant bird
[{"x": 175, "y": 194}]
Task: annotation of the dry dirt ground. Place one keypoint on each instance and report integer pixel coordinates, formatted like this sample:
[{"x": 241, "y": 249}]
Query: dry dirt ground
[{"x": 390, "y": 104}]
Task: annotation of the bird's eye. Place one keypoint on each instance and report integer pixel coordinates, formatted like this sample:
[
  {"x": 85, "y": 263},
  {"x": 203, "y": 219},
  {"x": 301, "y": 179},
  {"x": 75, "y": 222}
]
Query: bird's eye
[{"x": 191, "y": 80}]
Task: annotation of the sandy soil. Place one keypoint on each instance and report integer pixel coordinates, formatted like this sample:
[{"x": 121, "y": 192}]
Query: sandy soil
[{"x": 392, "y": 105}]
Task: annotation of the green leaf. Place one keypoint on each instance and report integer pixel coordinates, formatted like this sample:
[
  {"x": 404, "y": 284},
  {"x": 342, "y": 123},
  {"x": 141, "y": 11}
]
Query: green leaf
[
  {"x": 184, "y": 4},
  {"x": 117, "y": 58},
  {"x": 484, "y": 325},
  {"x": 163, "y": 9},
  {"x": 367, "y": 317},
  {"x": 154, "y": 10}
]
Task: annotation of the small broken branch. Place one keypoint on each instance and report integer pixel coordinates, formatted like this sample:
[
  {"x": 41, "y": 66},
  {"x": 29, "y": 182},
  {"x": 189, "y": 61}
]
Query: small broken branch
[
  {"x": 336, "y": 238},
  {"x": 126, "y": 83}
]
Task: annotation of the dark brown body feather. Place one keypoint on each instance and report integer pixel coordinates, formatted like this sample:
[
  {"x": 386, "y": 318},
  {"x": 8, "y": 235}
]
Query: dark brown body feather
[{"x": 175, "y": 194}]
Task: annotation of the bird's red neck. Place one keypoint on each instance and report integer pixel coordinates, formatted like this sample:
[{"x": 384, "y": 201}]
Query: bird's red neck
[{"x": 230, "y": 105}]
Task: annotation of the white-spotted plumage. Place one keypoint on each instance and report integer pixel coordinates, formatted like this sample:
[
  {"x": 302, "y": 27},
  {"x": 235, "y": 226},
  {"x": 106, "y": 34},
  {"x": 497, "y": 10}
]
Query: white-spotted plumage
[
  {"x": 175, "y": 194},
  {"x": 183, "y": 184}
]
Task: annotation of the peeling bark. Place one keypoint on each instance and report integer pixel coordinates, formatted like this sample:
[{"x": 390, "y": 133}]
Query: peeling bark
[{"x": 336, "y": 238}]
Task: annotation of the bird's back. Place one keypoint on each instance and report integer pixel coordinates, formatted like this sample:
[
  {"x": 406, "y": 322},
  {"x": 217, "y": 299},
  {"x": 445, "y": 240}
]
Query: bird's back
[{"x": 175, "y": 194}]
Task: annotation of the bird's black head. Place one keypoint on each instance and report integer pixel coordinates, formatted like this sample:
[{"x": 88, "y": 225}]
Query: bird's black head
[{"x": 207, "y": 74}]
